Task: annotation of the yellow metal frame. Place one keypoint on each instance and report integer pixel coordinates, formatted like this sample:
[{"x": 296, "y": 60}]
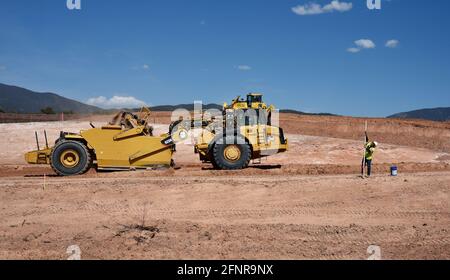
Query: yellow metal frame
[
  {"x": 116, "y": 148},
  {"x": 131, "y": 148},
  {"x": 237, "y": 104},
  {"x": 262, "y": 139},
  {"x": 38, "y": 157}
]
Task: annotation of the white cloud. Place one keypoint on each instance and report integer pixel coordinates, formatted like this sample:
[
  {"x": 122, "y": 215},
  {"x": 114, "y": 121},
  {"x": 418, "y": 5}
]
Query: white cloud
[
  {"x": 353, "y": 50},
  {"x": 145, "y": 67},
  {"x": 244, "y": 68},
  {"x": 392, "y": 44},
  {"x": 116, "y": 102},
  {"x": 365, "y": 44},
  {"x": 317, "y": 9},
  {"x": 362, "y": 44}
]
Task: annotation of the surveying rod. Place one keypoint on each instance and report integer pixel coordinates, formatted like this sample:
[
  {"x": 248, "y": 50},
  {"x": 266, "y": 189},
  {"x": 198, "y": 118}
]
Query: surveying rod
[{"x": 363, "y": 165}]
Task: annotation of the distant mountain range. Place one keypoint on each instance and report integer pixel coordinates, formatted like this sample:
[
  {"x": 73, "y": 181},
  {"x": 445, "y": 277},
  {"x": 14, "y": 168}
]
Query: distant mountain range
[
  {"x": 15, "y": 99},
  {"x": 19, "y": 100},
  {"x": 436, "y": 114},
  {"x": 288, "y": 111},
  {"x": 189, "y": 107}
]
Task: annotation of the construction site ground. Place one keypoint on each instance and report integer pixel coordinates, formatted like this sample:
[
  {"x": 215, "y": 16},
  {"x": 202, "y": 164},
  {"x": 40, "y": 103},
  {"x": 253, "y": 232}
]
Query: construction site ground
[{"x": 308, "y": 203}]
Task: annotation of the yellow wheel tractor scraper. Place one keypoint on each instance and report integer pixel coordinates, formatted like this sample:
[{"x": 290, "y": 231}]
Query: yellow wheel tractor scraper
[
  {"x": 241, "y": 133},
  {"x": 125, "y": 143},
  {"x": 244, "y": 131}
]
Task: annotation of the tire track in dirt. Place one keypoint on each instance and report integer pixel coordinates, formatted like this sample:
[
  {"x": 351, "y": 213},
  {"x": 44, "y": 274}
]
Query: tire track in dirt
[
  {"x": 287, "y": 210},
  {"x": 241, "y": 184},
  {"x": 181, "y": 177}
]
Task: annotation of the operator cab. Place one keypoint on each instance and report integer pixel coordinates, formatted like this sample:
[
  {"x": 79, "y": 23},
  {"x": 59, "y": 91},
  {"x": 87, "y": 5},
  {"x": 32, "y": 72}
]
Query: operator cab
[{"x": 254, "y": 98}]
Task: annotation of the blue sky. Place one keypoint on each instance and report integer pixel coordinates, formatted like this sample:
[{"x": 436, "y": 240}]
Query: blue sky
[{"x": 312, "y": 57}]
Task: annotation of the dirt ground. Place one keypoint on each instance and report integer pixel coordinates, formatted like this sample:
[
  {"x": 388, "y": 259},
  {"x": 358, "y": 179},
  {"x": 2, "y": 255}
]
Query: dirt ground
[{"x": 308, "y": 203}]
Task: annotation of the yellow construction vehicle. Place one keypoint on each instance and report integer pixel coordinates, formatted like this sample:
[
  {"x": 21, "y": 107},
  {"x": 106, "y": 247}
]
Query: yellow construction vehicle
[
  {"x": 253, "y": 101},
  {"x": 243, "y": 133},
  {"x": 125, "y": 143}
]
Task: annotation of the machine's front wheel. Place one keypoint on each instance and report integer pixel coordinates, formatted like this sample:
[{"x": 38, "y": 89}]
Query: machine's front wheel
[
  {"x": 231, "y": 155},
  {"x": 70, "y": 158}
]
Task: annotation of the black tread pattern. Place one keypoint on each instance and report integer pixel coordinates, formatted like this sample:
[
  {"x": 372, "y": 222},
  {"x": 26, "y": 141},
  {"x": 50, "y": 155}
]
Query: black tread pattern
[
  {"x": 219, "y": 161},
  {"x": 56, "y": 166}
]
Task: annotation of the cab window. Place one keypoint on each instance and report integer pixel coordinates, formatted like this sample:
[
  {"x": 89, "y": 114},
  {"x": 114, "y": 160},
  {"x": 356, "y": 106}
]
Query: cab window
[{"x": 254, "y": 99}]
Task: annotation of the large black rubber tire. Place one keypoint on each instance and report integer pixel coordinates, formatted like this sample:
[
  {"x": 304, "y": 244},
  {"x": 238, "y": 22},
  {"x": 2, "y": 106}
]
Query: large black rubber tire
[
  {"x": 220, "y": 162},
  {"x": 84, "y": 163},
  {"x": 214, "y": 164}
]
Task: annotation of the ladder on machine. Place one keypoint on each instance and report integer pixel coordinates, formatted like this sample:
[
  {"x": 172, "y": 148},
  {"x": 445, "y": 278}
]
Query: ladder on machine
[{"x": 262, "y": 141}]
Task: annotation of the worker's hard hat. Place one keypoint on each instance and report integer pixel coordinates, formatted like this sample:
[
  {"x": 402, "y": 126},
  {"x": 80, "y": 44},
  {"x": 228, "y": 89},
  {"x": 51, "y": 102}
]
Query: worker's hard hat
[{"x": 375, "y": 144}]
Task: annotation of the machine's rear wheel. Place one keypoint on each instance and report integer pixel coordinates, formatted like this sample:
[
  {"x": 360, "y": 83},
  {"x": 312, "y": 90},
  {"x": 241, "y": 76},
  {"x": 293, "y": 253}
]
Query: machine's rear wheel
[
  {"x": 231, "y": 155},
  {"x": 70, "y": 158}
]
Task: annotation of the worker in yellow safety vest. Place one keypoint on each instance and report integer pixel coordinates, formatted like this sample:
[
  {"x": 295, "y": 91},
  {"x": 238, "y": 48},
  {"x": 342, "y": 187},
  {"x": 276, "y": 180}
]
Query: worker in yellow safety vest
[{"x": 368, "y": 155}]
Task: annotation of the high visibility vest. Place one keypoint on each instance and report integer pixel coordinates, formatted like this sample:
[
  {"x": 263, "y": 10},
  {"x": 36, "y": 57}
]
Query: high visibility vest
[{"x": 370, "y": 149}]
